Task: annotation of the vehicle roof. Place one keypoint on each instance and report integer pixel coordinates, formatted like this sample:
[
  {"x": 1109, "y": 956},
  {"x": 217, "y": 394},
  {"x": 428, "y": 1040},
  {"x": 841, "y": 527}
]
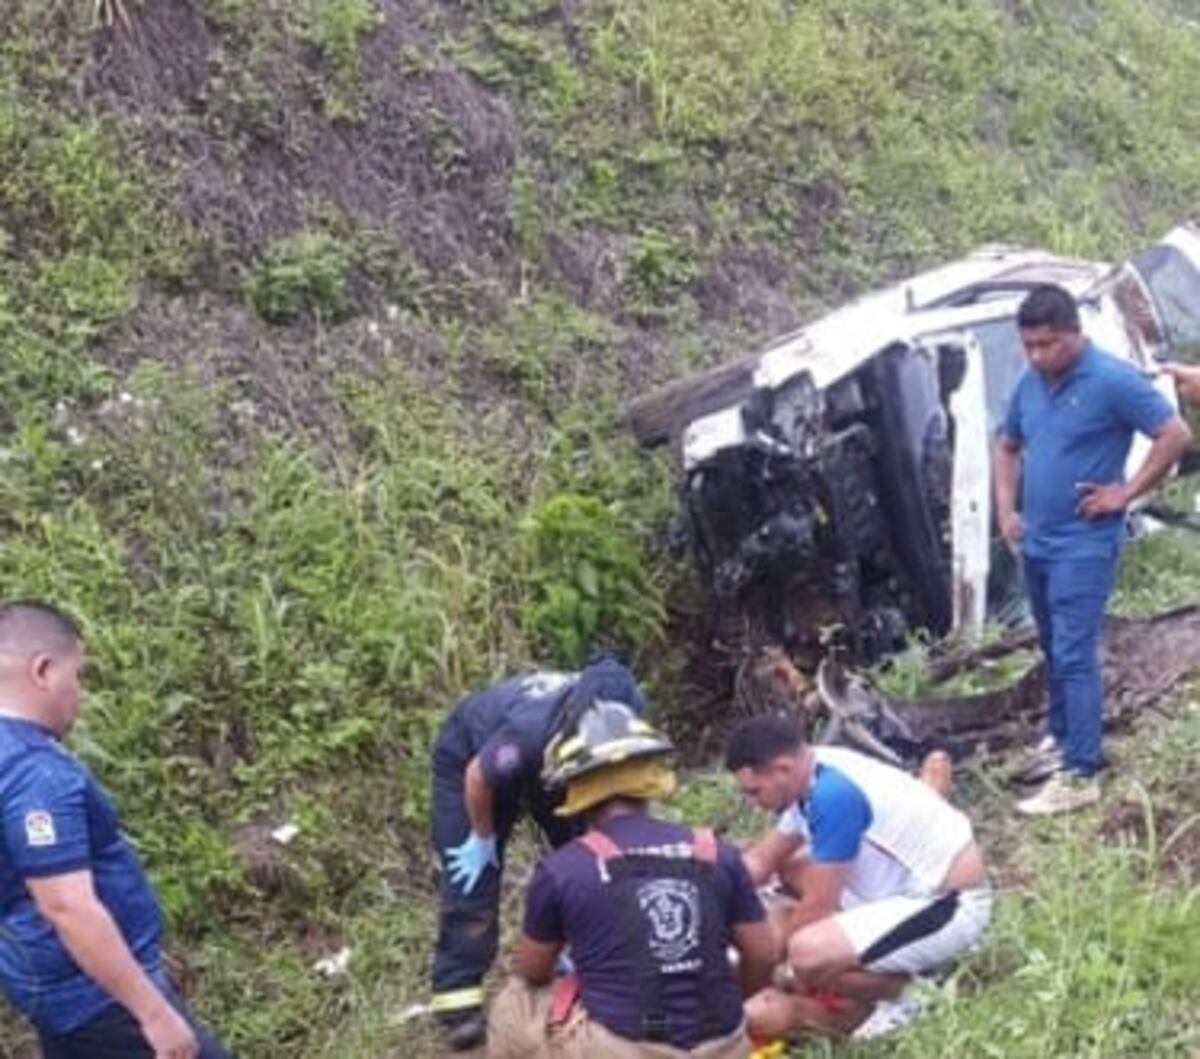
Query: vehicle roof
[{"x": 987, "y": 283}]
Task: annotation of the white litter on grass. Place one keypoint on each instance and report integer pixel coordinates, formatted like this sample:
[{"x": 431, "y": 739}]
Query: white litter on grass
[
  {"x": 414, "y": 1011},
  {"x": 284, "y": 835},
  {"x": 331, "y": 966}
]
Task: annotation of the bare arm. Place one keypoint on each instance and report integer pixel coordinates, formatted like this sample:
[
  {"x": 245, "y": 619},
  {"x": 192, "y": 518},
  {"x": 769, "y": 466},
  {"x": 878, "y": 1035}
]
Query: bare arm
[
  {"x": 822, "y": 894},
  {"x": 1007, "y": 472},
  {"x": 758, "y": 953},
  {"x": 480, "y": 800},
  {"x": 765, "y": 856},
  {"x": 69, "y": 903},
  {"x": 1187, "y": 382},
  {"x": 534, "y": 960},
  {"x": 1170, "y": 443}
]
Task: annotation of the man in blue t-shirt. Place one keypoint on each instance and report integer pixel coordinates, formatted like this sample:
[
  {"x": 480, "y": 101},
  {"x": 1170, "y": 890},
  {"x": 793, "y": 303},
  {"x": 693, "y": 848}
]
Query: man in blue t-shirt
[
  {"x": 487, "y": 765},
  {"x": 80, "y": 926},
  {"x": 647, "y": 910},
  {"x": 1062, "y": 451}
]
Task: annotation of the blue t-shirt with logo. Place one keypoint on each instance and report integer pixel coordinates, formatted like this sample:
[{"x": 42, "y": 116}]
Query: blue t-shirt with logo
[
  {"x": 1078, "y": 429},
  {"x": 57, "y": 819},
  {"x": 568, "y": 902}
]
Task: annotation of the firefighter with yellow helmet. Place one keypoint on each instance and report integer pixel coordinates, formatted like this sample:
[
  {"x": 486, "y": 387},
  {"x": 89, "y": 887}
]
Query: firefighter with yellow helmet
[{"x": 647, "y": 910}]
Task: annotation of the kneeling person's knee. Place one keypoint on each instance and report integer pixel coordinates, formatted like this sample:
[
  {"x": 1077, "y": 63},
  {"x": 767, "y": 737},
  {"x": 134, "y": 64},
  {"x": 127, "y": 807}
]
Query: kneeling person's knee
[{"x": 819, "y": 949}]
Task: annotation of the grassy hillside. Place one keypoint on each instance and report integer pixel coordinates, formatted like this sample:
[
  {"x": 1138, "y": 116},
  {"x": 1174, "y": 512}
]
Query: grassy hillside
[{"x": 317, "y": 317}]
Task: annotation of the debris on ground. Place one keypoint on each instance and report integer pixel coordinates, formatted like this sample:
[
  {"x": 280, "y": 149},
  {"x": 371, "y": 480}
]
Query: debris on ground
[
  {"x": 1142, "y": 660},
  {"x": 337, "y": 964},
  {"x": 285, "y": 834}
]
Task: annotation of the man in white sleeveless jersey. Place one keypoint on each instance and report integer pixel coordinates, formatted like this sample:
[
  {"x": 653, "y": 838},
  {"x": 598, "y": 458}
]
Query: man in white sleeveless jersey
[{"x": 889, "y": 880}]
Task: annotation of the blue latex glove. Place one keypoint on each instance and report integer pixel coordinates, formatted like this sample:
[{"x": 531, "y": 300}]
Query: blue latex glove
[
  {"x": 467, "y": 862},
  {"x": 564, "y": 964}
]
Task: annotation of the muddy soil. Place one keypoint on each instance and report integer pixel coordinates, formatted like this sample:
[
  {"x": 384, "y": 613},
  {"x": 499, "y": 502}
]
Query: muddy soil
[
  {"x": 1170, "y": 837},
  {"x": 1142, "y": 660}
]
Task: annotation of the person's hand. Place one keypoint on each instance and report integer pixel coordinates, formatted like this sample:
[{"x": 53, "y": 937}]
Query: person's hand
[
  {"x": 466, "y": 863},
  {"x": 1187, "y": 382},
  {"x": 1012, "y": 528},
  {"x": 1100, "y": 500},
  {"x": 168, "y": 1033}
]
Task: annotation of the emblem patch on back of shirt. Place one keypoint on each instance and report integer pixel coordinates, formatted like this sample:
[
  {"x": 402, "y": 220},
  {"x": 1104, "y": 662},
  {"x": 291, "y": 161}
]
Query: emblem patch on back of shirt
[
  {"x": 672, "y": 909},
  {"x": 39, "y": 828}
]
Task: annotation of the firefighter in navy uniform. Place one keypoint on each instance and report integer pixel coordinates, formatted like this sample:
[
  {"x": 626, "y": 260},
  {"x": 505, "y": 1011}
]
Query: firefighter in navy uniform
[
  {"x": 647, "y": 908},
  {"x": 487, "y": 765}
]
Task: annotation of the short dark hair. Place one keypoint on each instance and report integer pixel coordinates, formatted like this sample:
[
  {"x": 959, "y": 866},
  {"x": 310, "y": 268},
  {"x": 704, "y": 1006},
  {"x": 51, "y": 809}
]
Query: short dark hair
[
  {"x": 759, "y": 741},
  {"x": 38, "y": 625},
  {"x": 1049, "y": 305}
]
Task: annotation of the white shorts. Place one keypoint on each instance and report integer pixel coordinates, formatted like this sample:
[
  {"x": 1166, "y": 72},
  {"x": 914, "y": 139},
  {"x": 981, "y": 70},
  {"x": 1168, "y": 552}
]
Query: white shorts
[{"x": 911, "y": 935}]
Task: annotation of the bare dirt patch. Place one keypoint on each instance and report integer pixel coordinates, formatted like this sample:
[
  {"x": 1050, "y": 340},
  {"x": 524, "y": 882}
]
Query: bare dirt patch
[
  {"x": 1144, "y": 659},
  {"x": 747, "y": 283},
  {"x": 1171, "y": 836}
]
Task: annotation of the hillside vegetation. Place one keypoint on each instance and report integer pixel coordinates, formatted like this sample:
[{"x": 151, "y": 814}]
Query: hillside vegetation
[{"x": 317, "y": 318}]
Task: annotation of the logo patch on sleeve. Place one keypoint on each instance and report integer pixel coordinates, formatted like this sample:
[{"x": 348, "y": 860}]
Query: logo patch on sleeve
[
  {"x": 506, "y": 758},
  {"x": 39, "y": 828}
]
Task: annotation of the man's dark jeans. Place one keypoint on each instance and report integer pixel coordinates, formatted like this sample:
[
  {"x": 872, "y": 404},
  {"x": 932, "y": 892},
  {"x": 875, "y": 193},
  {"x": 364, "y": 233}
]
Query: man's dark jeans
[
  {"x": 1068, "y": 598},
  {"x": 114, "y": 1034}
]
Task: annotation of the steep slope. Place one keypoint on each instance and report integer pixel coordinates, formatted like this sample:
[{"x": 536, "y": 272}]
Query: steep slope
[{"x": 317, "y": 320}]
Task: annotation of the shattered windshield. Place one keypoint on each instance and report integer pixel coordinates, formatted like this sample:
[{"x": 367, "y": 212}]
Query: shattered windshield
[{"x": 1175, "y": 284}]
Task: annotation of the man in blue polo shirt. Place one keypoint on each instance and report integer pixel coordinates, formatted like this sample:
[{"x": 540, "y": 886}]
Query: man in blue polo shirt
[
  {"x": 1062, "y": 449},
  {"x": 80, "y": 926}
]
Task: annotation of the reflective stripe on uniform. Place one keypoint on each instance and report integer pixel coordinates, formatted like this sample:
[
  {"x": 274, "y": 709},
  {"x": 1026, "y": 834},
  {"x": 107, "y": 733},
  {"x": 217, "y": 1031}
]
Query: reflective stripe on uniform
[{"x": 457, "y": 999}]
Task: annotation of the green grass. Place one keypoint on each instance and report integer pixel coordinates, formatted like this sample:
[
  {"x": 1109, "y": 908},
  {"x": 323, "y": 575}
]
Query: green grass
[
  {"x": 337, "y": 29},
  {"x": 303, "y": 274},
  {"x": 1163, "y": 569},
  {"x": 1093, "y": 949},
  {"x": 294, "y": 544}
]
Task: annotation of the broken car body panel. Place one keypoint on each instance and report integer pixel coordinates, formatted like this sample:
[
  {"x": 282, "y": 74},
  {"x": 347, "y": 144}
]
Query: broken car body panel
[{"x": 851, "y": 487}]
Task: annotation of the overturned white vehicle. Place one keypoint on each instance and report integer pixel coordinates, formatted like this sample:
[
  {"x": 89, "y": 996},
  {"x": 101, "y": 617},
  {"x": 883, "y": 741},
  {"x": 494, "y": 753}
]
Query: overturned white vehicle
[{"x": 839, "y": 481}]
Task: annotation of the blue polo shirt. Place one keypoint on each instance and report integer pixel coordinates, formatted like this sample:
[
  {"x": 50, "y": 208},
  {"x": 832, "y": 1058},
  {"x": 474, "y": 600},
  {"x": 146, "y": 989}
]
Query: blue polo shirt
[
  {"x": 58, "y": 819},
  {"x": 1078, "y": 429}
]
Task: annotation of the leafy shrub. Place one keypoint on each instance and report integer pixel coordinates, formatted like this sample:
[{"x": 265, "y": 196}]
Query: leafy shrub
[
  {"x": 336, "y": 28},
  {"x": 303, "y": 275},
  {"x": 588, "y": 583},
  {"x": 659, "y": 267}
]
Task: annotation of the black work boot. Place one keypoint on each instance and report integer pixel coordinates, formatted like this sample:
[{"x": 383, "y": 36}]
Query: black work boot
[{"x": 464, "y": 1030}]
